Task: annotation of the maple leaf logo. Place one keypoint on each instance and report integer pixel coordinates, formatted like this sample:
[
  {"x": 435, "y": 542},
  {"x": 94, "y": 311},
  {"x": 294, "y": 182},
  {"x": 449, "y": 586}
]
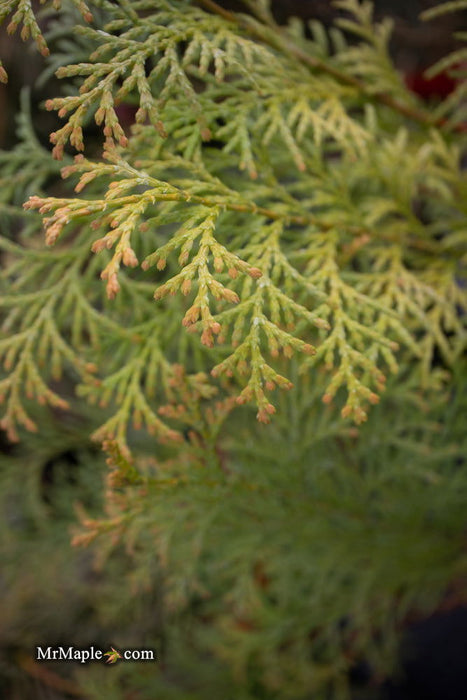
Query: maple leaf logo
[{"x": 113, "y": 655}]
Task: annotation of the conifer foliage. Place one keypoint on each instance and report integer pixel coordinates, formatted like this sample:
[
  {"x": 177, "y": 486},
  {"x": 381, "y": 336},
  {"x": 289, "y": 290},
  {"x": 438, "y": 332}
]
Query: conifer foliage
[{"x": 282, "y": 226}]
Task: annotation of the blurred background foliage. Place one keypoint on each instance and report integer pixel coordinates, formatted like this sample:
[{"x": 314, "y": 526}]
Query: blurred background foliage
[{"x": 291, "y": 572}]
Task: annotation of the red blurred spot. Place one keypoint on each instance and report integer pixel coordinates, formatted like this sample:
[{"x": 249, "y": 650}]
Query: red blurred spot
[{"x": 440, "y": 86}]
